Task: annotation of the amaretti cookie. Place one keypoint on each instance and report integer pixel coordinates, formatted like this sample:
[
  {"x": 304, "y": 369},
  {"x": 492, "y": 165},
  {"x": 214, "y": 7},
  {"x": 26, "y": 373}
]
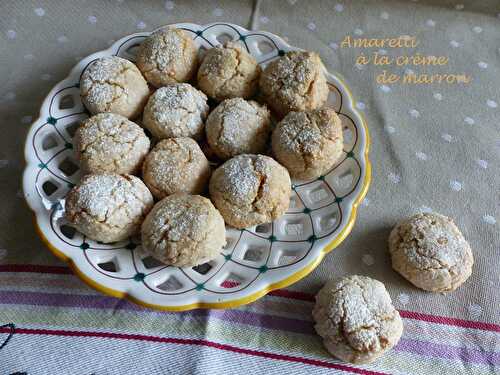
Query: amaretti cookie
[
  {"x": 176, "y": 165},
  {"x": 108, "y": 142},
  {"x": 250, "y": 190},
  {"x": 183, "y": 230},
  {"x": 228, "y": 72},
  {"x": 237, "y": 126},
  {"x": 108, "y": 207},
  {"x": 113, "y": 84},
  {"x": 430, "y": 251},
  {"x": 308, "y": 143},
  {"x": 167, "y": 56},
  {"x": 294, "y": 82},
  {"x": 356, "y": 319},
  {"x": 177, "y": 110}
]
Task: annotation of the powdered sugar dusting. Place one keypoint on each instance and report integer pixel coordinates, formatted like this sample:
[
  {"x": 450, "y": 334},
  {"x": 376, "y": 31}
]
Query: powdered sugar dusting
[
  {"x": 110, "y": 142},
  {"x": 176, "y": 165},
  {"x": 241, "y": 179},
  {"x": 294, "y": 71},
  {"x": 439, "y": 243},
  {"x": 356, "y": 318},
  {"x": 299, "y": 134},
  {"x": 176, "y": 110},
  {"x": 184, "y": 230},
  {"x": 110, "y": 198},
  {"x": 237, "y": 126},
  {"x": 429, "y": 243},
  {"x": 165, "y": 47},
  {"x": 295, "y": 82},
  {"x": 104, "y": 82},
  {"x": 167, "y": 56}
]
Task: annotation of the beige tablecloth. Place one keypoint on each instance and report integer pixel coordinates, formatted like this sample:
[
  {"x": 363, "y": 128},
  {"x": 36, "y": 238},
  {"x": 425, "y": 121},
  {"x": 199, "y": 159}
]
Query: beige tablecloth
[{"x": 434, "y": 147}]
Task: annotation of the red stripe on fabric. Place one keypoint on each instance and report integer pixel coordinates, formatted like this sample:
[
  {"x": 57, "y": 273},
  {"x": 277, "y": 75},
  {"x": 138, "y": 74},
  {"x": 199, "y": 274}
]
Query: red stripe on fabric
[
  {"x": 449, "y": 321},
  {"x": 291, "y": 294},
  {"x": 198, "y": 342},
  {"x": 283, "y": 293},
  {"x": 33, "y": 268}
]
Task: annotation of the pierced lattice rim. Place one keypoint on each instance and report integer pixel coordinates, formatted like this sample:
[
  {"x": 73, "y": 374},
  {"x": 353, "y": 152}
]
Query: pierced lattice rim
[{"x": 125, "y": 288}]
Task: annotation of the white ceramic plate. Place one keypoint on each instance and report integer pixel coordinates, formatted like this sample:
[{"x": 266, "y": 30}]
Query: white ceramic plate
[{"x": 256, "y": 260}]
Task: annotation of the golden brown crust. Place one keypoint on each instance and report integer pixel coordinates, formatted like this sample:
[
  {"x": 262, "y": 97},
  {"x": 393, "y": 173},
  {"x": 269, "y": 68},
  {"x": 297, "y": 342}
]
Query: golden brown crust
[
  {"x": 294, "y": 82},
  {"x": 177, "y": 110},
  {"x": 183, "y": 230},
  {"x": 228, "y": 72},
  {"x": 108, "y": 207},
  {"x": 356, "y": 319},
  {"x": 167, "y": 56},
  {"x": 108, "y": 142},
  {"x": 113, "y": 84},
  {"x": 308, "y": 143},
  {"x": 237, "y": 126},
  {"x": 430, "y": 251},
  {"x": 176, "y": 165},
  {"x": 250, "y": 190}
]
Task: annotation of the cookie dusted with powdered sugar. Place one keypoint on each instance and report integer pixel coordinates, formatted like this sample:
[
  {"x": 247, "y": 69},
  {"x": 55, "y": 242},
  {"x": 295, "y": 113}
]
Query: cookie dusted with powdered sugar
[
  {"x": 167, "y": 56},
  {"x": 113, "y": 84},
  {"x": 108, "y": 142},
  {"x": 176, "y": 165},
  {"x": 430, "y": 251},
  {"x": 250, "y": 189},
  {"x": 228, "y": 72},
  {"x": 237, "y": 126},
  {"x": 356, "y": 319},
  {"x": 108, "y": 207},
  {"x": 177, "y": 110},
  {"x": 294, "y": 82},
  {"x": 308, "y": 143},
  {"x": 183, "y": 230}
]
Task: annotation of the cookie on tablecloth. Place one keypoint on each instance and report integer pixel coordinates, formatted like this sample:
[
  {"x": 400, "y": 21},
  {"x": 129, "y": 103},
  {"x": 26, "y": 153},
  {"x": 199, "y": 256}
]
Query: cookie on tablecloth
[
  {"x": 429, "y": 250},
  {"x": 356, "y": 319}
]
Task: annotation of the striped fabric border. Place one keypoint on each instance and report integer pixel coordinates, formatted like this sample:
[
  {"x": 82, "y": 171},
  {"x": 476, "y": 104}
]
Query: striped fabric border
[{"x": 469, "y": 344}]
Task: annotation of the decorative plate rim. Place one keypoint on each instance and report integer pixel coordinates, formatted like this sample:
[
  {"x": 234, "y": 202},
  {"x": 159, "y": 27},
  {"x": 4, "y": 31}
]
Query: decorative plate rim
[{"x": 304, "y": 271}]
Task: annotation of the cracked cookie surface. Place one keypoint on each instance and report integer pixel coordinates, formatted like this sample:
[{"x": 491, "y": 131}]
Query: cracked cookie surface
[
  {"x": 168, "y": 56},
  {"x": 250, "y": 190},
  {"x": 228, "y": 72},
  {"x": 176, "y": 165},
  {"x": 430, "y": 251},
  {"x": 177, "y": 110},
  {"x": 184, "y": 230},
  {"x": 108, "y": 142},
  {"x": 294, "y": 82},
  {"x": 237, "y": 126},
  {"x": 356, "y": 319},
  {"x": 308, "y": 143},
  {"x": 113, "y": 84},
  {"x": 108, "y": 207}
]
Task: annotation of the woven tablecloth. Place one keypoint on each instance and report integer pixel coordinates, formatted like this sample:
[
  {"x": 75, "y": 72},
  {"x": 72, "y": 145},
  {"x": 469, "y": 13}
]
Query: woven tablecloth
[{"x": 434, "y": 147}]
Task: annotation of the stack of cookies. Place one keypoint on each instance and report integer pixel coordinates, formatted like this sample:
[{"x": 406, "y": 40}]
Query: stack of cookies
[{"x": 216, "y": 142}]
